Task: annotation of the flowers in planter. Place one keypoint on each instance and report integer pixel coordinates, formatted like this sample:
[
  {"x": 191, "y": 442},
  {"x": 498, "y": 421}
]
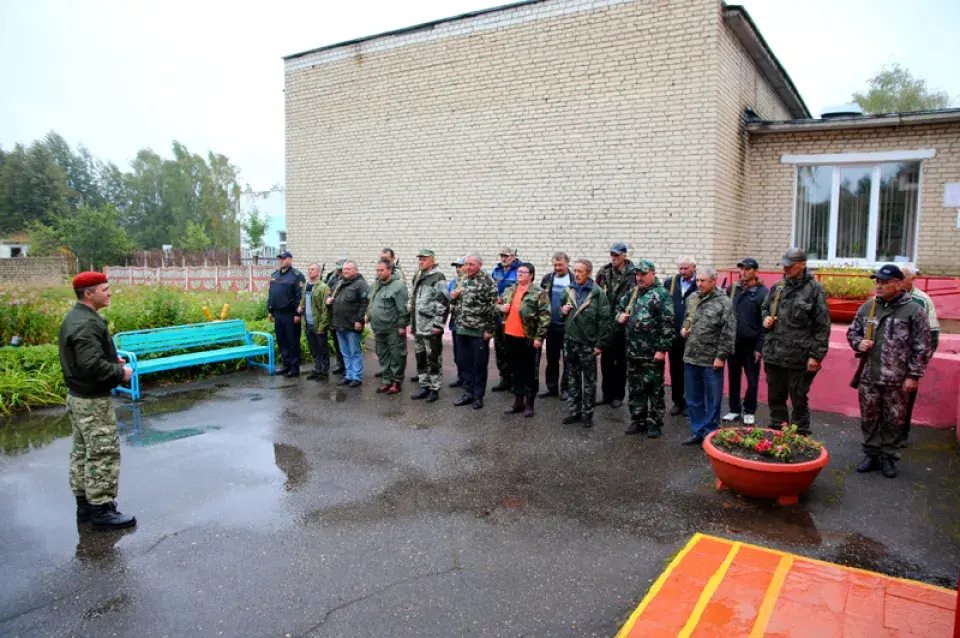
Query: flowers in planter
[
  {"x": 775, "y": 446},
  {"x": 845, "y": 281}
]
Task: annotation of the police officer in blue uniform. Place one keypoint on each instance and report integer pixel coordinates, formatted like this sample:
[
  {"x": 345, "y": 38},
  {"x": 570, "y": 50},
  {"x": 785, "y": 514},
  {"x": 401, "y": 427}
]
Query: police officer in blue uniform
[{"x": 283, "y": 303}]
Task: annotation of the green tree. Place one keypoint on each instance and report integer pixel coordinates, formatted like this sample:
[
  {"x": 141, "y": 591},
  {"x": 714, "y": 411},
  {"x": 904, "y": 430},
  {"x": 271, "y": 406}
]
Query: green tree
[
  {"x": 894, "y": 90},
  {"x": 45, "y": 241},
  {"x": 195, "y": 238},
  {"x": 33, "y": 187},
  {"x": 255, "y": 226},
  {"x": 96, "y": 237}
]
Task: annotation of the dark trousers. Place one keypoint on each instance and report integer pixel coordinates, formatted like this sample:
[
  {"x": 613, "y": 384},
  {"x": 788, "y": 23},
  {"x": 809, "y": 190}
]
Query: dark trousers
[
  {"x": 908, "y": 420},
  {"x": 744, "y": 361},
  {"x": 503, "y": 364},
  {"x": 677, "y": 371},
  {"x": 336, "y": 349},
  {"x": 556, "y": 382},
  {"x": 288, "y": 339},
  {"x": 522, "y": 357},
  {"x": 795, "y": 383},
  {"x": 883, "y": 409},
  {"x": 456, "y": 351},
  {"x": 473, "y": 364},
  {"x": 319, "y": 350},
  {"x": 613, "y": 367}
]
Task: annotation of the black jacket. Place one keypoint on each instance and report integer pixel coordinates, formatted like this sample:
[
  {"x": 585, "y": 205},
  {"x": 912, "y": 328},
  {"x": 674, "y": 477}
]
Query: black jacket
[
  {"x": 748, "y": 306},
  {"x": 88, "y": 357},
  {"x": 285, "y": 290},
  {"x": 675, "y": 289},
  {"x": 350, "y": 299}
]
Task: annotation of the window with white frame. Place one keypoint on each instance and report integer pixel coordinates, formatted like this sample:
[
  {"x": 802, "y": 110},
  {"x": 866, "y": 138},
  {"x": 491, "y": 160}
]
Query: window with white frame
[{"x": 854, "y": 209}]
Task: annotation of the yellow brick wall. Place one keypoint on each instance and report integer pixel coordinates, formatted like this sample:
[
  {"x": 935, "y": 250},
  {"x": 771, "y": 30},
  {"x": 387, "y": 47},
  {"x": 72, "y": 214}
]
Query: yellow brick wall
[{"x": 771, "y": 184}]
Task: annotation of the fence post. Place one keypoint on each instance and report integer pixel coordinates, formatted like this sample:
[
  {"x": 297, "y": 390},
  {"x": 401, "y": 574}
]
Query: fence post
[
  {"x": 186, "y": 278},
  {"x": 130, "y": 271},
  {"x": 251, "y": 278},
  {"x": 216, "y": 277},
  {"x": 158, "y": 276}
]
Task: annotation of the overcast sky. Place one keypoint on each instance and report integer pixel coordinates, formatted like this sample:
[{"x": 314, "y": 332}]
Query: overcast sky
[{"x": 121, "y": 75}]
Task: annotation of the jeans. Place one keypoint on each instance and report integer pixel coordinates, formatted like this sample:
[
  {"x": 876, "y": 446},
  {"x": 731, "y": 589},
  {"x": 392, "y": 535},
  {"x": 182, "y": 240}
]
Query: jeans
[
  {"x": 744, "y": 361},
  {"x": 352, "y": 356},
  {"x": 474, "y": 353},
  {"x": 704, "y": 396}
]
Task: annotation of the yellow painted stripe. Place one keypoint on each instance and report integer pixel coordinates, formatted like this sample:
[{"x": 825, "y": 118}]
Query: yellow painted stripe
[
  {"x": 773, "y": 593},
  {"x": 708, "y": 592},
  {"x": 658, "y": 585}
]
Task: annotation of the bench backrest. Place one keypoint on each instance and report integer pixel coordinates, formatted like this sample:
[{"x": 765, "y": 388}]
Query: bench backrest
[{"x": 189, "y": 335}]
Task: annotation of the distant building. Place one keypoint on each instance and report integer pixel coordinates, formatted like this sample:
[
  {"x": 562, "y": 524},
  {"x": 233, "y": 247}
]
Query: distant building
[{"x": 16, "y": 245}]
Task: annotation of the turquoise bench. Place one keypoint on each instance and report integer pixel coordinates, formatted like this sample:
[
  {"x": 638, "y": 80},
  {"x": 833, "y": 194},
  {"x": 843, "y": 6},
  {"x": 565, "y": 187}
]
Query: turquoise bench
[{"x": 232, "y": 337}]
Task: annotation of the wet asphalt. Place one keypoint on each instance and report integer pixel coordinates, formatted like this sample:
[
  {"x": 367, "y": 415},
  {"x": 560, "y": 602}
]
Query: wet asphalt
[{"x": 286, "y": 507}]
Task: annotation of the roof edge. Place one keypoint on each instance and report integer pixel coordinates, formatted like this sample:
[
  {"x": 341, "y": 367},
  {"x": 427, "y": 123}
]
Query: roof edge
[
  {"x": 767, "y": 63},
  {"x": 883, "y": 120}
]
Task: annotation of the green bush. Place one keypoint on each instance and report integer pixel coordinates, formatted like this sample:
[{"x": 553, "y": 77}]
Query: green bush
[
  {"x": 30, "y": 377},
  {"x": 837, "y": 282}
]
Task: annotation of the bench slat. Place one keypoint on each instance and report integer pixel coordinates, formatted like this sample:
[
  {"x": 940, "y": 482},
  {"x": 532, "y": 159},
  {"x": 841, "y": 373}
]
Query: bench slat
[
  {"x": 200, "y": 358},
  {"x": 181, "y": 337}
]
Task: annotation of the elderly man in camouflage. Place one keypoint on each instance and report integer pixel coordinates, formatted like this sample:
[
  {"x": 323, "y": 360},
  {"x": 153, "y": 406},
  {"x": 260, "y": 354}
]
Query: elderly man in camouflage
[
  {"x": 615, "y": 279},
  {"x": 891, "y": 333},
  {"x": 91, "y": 369},
  {"x": 710, "y": 329},
  {"x": 526, "y": 311},
  {"x": 920, "y": 297},
  {"x": 646, "y": 314},
  {"x": 586, "y": 333},
  {"x": 796, "y": 321},
  {"x": 474, "y": 296},
  {"x": 428, "y": 309}
]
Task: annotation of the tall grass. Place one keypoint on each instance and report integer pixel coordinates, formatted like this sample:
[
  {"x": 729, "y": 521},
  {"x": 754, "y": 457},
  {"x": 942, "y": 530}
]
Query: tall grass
[{"x": 30, "y": 377}]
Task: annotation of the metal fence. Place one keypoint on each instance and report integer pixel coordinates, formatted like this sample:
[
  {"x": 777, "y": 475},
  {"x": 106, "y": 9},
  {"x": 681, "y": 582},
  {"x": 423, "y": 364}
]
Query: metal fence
[{"x": 250, "y": 278}]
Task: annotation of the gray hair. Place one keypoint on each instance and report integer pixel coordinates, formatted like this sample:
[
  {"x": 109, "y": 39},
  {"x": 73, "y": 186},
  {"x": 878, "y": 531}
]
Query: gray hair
[
  {"x": 474, "y": 255},
  {"x": 909, "y": 270},
  {"x": 587, "y": 263},
  {"x": 709, "y": 271},
  {"x": 686, "y": 259},
  {"x": 561, "y": 256},
  {"x": 350, "y": 261}
]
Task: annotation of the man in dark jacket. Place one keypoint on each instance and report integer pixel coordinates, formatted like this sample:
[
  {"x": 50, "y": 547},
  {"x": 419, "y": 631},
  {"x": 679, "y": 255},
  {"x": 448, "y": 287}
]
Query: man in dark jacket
[
  {"x": 91, "y": 370},
  {"x": 748, "y": 295},
  {"x": 283, "y": 304},
  {"x": 796, "y": 321},
  {"x": 349, "y": 300},
  {"x": 504, "y": 276},
  {"x": 554, "y": 283},
  {"x": 615, "y": 279},
  {"x": 681, "y": 287},
  {"x": 893, "y": 334}
]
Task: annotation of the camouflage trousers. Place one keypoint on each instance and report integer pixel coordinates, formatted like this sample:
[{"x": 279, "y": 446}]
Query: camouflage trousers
[
  {"x": 95, "y": 457},
  {"x": 428, "y": 351},
  {"x": 645, "y": 381},
  {"x": 883, "y": 411},
  {"x": 580, "y": 366}
]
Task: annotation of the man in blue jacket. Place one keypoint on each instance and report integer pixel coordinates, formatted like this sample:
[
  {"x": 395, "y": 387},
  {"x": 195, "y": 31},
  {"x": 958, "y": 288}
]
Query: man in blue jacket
[
  {"x": 283, "y": 304},
  {"x": 504, "y": 275}
]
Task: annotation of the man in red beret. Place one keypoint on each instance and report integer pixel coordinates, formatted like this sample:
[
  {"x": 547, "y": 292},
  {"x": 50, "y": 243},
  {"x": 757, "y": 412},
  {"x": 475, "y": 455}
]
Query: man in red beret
[{"x": 91, "y": 369}]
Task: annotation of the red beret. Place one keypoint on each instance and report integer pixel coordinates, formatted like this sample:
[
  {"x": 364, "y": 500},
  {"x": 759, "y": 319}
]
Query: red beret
[{"x": 89, "y": 278}]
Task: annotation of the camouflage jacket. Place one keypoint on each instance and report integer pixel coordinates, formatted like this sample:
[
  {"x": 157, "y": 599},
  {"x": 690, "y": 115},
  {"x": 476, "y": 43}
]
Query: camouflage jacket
[
  {"x": 901, "y": 331},
  {"x": 317, "y": 298},
  {"x": 713, "y": 329},
  {"x": 588, "y": 323},
  {"x": 617, "y": 284},
  {"x": 476, "y": 305},
  {"x": 649, "y": 327},
  {"x": 534, "y": 310},
  {"x": 429, "y": 303},
  {"x": 802, "y": 329}
]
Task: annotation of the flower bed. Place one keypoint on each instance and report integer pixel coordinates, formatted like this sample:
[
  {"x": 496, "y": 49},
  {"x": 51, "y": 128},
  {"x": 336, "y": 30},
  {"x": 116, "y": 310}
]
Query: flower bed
[{"x": 769, "y": 446}]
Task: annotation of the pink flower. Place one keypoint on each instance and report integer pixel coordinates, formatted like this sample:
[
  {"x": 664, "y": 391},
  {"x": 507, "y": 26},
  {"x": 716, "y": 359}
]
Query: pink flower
[{"x": 749, "y": 430}]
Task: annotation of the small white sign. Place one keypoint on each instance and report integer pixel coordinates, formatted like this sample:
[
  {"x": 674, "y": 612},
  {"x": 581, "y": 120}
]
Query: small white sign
[{"x": 951, "y": 195}]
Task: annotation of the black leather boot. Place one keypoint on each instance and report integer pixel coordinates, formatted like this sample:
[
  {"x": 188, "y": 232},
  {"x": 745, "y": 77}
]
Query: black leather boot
[
  {"x": 528, "y": 406},
  {"x": 517, "y": 406},
  {"x": 105, "y": 516},
  {"x": 83, "y": 509}
]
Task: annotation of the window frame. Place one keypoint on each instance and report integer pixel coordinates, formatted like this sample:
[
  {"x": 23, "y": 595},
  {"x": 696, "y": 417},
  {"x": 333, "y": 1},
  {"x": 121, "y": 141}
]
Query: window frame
[{"x": 837, "y": 161}]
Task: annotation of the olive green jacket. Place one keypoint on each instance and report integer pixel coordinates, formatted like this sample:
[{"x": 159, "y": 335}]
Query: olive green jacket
[
  {"x": 88, "y": 357},
  {"x": 388, "y": 306},
  {"x": 318, "y": 303}
]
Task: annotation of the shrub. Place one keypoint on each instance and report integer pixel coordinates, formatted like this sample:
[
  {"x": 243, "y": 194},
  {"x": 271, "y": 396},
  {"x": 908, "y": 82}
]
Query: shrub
[
  {"x": 30, "y": 377},
  {"x": 837, "y": 282}
]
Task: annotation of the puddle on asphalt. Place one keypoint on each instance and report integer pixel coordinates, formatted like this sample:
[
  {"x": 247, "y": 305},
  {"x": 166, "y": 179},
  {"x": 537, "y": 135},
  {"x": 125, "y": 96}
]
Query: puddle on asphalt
[
  {"x": 25, "y": 432},
  {"x": 292, "y": 461},
  {"x": 136, "y": 432},
  {"x": 336, "y": 396}
]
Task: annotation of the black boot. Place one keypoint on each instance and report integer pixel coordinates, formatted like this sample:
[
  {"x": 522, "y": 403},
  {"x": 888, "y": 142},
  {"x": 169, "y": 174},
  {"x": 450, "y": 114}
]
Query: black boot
[
  {"x": 503, "y": 386},
  {"x": 888, "y": 468},
  {"x": 636, "y": 427},
  {"x": 869, "y": 463},
  {"x": 587, "y": 420},
  {"x": 106, "y": 516},
  {"x": 421, "y": 393},
  {"x": 433, "y": 396},
  {"x": 573, "y": 418},
  {"x": 517, "y": 406},
  {"x": 528, "y": 406},
  {"x": 83, "y": 509}
]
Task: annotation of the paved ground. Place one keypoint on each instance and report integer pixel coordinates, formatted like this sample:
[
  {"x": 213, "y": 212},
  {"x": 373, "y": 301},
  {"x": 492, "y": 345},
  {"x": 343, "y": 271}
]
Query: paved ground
[{"x": 270, "y": 506}]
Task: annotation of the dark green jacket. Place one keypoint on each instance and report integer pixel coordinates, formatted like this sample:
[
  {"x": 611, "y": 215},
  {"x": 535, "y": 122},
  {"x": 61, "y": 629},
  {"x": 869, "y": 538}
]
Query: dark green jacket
[
  {"x": 388, "y": 306},
  {"x": 649, "y": 327},
  {"x": 87, "y": 354},
  {"x": 802, "y": 330},
  {"x": 534, "y": 310},
  {"x": 350, "y": 303},
  {"x": 589, "y": 323}
]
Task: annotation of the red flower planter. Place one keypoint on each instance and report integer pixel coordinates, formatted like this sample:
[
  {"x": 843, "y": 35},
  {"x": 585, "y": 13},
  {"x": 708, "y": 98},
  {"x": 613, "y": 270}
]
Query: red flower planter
[
  {"x": 782, "y": 481},
  {"x": 844, "y": 309}
]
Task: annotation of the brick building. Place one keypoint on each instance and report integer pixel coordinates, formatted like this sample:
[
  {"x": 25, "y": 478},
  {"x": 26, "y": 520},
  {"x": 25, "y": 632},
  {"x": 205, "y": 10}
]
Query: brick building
[{"x": 571, "y": 124}]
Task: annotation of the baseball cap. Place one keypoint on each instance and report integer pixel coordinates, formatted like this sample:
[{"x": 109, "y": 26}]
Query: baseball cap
[
  {"x": 793, "y": 256},
  {"x": 644, "y": 266},
  {"x": 506, "y": 250},
  {"x": 887, "y": 272},
  {"x": 748, "y": 262},
  {"x": 285, "y": 254},
  {"x": 426, "y": 252},
  {"x": 459, "y": 262},
  {"x": 341, "y": 262},
  {"x": 618, "y": 248}
]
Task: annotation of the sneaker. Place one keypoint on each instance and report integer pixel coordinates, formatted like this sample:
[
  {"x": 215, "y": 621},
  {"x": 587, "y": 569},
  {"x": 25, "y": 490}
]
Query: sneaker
[
  {"x": 322, "y": 376},
  {"x": 749, "y": 419},
  {"x": 729, "y": 417}
]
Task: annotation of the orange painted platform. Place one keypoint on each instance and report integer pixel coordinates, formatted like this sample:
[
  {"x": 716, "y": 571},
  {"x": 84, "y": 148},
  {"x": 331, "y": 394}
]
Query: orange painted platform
[{"x": 716, "y": 587}]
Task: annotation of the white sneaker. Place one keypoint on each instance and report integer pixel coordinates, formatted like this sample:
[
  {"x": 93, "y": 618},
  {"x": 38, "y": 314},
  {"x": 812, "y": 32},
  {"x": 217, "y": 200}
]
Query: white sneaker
[
  {"x": 748, "y": 419},
  {"x": 731, "y": 416}
]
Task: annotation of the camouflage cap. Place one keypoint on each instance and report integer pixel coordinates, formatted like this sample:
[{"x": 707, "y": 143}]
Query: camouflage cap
[
  {"x": 341, "y": 262},
  {"x": 644, "y": 266},
  {"x": 506, "y": 250},
  {"x": 793, "y": 256},
  {"x": 426, "y": 252}
]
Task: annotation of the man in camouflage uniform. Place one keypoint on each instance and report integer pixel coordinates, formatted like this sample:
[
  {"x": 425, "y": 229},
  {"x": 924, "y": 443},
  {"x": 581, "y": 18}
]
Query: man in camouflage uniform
[
  {"x": 428, "y": 309},
  {"x": 91, "y": 369},
  {"x": 333, "y": 277},
  {"x": 893, "y": 334},
  {"x": 710, "y": 329},
  {"x": 615, "y": 279},
  {"x": 646, "y": 316},
  {"x": 474, "y": 297},
  {"x": 388, "y": 318},
  {"x": 797, "y": 324},
  {"x": 586, "y": 333}
]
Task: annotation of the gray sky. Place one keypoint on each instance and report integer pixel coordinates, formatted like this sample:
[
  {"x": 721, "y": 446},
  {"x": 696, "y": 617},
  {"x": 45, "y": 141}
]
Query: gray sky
[{"x": 120, "y": 75}]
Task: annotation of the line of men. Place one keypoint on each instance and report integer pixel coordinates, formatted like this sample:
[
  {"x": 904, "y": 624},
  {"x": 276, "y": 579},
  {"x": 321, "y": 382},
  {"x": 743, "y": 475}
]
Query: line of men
[{"x": 625, "y": 317}]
